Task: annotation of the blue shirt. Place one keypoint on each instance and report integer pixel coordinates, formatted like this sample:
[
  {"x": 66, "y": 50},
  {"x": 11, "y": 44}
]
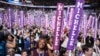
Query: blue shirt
[
  {"x": 26, "y": 44},
  {"x": 2, "y": 48}
]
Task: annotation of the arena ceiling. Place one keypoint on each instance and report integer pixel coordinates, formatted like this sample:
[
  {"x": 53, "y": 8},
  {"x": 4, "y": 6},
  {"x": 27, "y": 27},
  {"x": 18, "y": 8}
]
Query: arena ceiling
[{"x": 66, "y": 2}]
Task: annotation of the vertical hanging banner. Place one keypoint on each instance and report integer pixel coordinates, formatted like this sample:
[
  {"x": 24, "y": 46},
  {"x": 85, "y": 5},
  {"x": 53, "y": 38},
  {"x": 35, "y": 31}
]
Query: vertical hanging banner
[
  {"x": 96, "y": 28},
  {"x": 89, "y": 22},
  {"x": 58, "y": 25},
  {"x": 1, "y": 17},
  {"x": 9, "y": 17},
  {"x": 47, "y": 21},
  {"x": 15, "y": 15},
  {"x": 21, "y": 19},
  {"x": 53, "y": 22},
  {"x": 84, "y": 25},
  {"x": 31, "y": 19},
  {"x": 12, "y": 18},
  {"x": 93, "y": 22},
  {"x": 67, "y": 16},
  {"x": 68, "y": 11},
  {"x": 70, "y": 17},
  {"x": 75, "y": 24},
  {"x": 6, "y": 18}
]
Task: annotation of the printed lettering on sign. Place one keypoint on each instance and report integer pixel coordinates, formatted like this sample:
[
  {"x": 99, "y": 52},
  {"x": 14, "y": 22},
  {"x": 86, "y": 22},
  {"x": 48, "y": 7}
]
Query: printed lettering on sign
[
  {"x": 58, "y": 25},
  {"x": 75, "y": 24}
]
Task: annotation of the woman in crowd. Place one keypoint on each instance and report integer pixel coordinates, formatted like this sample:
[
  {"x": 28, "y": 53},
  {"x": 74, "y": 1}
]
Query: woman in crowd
[
  {"x": 26, "y": 38},
  {"x": 64, "y": 44},
  {"x": 41, "y": 49},
  {"x": 50, "y": 46},
  {"x": 80, "y": 43},
  {"x": 89, "y": 40},
  {"x": 11, "y": 52},
  {"x": 24, "y": 53},
  {"x": 20, "y": 42},
  {"x": 33, "y": 43},
  {"x": 97, "y": 47},
  {"x": 11, "y": 42}
]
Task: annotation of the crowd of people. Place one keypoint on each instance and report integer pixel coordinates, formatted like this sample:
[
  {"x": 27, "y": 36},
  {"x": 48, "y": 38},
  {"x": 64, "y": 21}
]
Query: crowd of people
[
  {"x": 38, "y": 41},
  {"x": 36, "y": 38}
]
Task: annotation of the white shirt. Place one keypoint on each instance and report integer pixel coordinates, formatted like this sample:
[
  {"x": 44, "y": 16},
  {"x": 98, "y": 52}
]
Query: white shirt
[
  {"x": 79, "y": 44},
  {"x": 97, "y": 50},
  {"x": 64, "y": 44},
  {"x": 15, "y": 55},
  {"x": 37, "y": 37}
]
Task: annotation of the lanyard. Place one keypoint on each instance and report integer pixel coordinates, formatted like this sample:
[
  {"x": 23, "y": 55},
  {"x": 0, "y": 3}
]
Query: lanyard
[{"x": 42, "y": 54}]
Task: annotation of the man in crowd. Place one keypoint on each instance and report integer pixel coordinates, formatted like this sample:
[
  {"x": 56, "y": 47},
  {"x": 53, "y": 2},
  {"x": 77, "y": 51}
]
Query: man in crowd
[
  {"x": 87, "y": 51},
  {"x": 2, "y": 42},
  {"x": 89, "y": 40}
]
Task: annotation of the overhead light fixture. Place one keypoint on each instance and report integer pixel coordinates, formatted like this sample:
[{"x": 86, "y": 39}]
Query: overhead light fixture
[
  {"x": 28, "y": 1},
  {"x": 14, "y": 1}
]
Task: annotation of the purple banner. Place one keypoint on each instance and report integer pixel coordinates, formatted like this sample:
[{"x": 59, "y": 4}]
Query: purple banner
[
  {"x": 67, "y": 16},
  {"x": 21, "y": 19},
  {"x": 5, "y": 20},
  {"x": 84, "y": 21},
  {"x": 89, "y": 22},
  {"x": 96, "y": 28},
  {"x": 93, "y": 22},
  {"x": 1, "y": 18},
  {"x": 75, "y": 24},
  {"x": 9, "y": 17},
  {"x": 16, "y": 16},
  {"x": 58, "y": 25},
  {"x": 70, "y": 17},
  {"x": 53, "y": 22}
]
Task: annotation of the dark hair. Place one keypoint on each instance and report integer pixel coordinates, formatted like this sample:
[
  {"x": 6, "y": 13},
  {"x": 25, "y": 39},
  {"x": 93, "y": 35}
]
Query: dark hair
[
  {"x": 32, "y": 35},
  {"x": 98, "y": 39},
  {"x": 9, "y": 35},
  {"x": 23, "y": 51},
  {"x": 79, "y": 38},
  {"x": 48, "y": 39},
  {"x": 1, "y": 27},
  {"x": 86, "y": 48}
]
